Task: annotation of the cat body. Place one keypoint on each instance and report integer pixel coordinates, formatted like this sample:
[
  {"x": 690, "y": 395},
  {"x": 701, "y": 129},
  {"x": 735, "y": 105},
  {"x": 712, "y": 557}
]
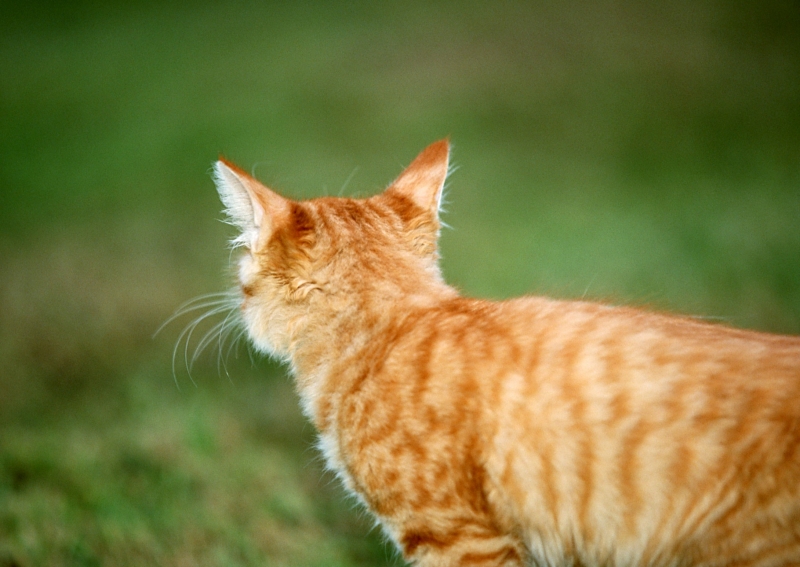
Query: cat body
[{"x": 527, "y": 431}]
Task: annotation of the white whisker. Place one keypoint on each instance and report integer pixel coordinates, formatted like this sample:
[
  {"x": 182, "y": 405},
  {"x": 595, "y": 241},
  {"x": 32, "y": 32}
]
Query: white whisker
[
  {"x": 228, "y": 325},
  {"x": 198, "y": 303},
  {"x": 235, "y": 342},
  {"x": 207, "y": 339},
  {"x": 191, "y": 327},
  {"x": 211, "y": 304},
  {"x": 347, "y": 181}
]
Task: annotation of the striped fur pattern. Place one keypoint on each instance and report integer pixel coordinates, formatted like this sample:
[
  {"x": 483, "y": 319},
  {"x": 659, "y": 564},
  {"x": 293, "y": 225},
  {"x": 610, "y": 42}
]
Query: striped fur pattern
[{"x": 521, "y": 432}]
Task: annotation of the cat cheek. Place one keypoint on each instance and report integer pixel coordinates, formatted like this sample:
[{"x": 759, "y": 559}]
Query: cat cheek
[{"x": 248, "y": 270}]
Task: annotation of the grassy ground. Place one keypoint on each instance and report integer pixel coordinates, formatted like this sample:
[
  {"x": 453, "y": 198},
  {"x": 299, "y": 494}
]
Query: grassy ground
[{"x": 623, "y": 151}]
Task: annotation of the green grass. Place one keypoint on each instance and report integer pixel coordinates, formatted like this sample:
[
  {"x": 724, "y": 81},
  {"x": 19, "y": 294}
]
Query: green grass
[{"x": 623, "y": 151}]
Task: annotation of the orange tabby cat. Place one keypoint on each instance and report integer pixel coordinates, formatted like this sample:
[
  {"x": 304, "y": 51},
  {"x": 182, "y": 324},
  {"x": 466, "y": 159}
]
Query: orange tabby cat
[{"x": 528, "y": 431}]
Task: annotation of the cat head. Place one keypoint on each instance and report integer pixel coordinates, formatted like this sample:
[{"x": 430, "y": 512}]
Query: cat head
[{"x": 308, "y": 264}]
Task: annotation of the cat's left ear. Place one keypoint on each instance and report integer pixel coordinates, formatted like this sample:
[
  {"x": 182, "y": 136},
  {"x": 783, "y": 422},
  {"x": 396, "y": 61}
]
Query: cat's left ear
[
  {"x": 423, "y": 181},
  {"x": 249, "y": 205}
]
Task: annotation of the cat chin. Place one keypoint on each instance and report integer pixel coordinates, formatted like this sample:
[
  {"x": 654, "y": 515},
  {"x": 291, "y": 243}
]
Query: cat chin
[
  {"x": 260, "y": 337},
  {"x": 266, "y": 347}
]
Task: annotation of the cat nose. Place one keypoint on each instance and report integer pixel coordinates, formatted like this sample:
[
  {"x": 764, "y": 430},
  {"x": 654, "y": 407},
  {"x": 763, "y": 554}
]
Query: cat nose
[{"x": 247, "y": 290}]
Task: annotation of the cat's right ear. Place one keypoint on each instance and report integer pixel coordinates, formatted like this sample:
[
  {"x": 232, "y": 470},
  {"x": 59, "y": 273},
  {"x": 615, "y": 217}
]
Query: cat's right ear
[
  {"x": 249, "y": 205},
  {"x": 423, "y": 181}
]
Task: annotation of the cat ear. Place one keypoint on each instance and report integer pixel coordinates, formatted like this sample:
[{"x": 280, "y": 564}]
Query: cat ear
[
  {"x": 249, "y": 205},
  {"x": 423, "y": 181}
]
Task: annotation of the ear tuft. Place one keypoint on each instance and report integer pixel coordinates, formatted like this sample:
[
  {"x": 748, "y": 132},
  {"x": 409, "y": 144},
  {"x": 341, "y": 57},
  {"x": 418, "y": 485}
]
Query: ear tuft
[
  {"x": 249, "y": 205},
  {"x": 423, "y": 180}
]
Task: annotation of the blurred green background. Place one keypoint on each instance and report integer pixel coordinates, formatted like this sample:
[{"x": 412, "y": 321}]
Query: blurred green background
[{"x": 634, "y": 152}]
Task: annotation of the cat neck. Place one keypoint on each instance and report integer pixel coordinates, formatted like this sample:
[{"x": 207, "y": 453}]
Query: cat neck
[{"x": 335, "y": 332}]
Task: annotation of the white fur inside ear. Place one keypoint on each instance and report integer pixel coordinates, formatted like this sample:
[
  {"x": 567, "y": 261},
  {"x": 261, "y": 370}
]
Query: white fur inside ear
[{"x": 241, "y": 206}]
